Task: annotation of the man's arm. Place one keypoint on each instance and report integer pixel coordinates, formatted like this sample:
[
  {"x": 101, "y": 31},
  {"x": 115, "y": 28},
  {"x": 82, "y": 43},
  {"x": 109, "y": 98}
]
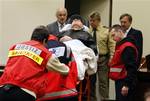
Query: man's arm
[
  {"x": 129, "y": 59},
  {"x": 55, "y": 65}
]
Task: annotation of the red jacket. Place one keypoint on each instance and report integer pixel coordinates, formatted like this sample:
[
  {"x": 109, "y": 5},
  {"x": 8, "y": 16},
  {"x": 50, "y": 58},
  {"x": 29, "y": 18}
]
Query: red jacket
[
  {"x": 61, "y": 86},
  {"x": 117, "y": 68},
  {"x": 26, "y": 67}
]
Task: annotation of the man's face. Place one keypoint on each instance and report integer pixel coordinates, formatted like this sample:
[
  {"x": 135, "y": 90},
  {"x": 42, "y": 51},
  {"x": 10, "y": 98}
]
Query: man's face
[
  {"x": 148, "y": 99},
  {"x": 117, "y": 35},
  {"x": 94, "y": 22},
  {"x": 61, "y": 16},
  {"x": 125, "y": 23},
  {"x": 77, "y": 24}
]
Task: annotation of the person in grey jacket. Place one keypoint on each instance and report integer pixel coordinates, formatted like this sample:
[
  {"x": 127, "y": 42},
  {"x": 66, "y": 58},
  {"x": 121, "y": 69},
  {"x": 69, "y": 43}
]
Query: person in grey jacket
[{"x": 55, "y": 27}]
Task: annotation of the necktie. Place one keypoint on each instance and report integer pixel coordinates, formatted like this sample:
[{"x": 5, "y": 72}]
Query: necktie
[
  {"x": 94, "y": 34},
  {"x": 61, "y": 26},
  {"x": 94, "y": 37}
]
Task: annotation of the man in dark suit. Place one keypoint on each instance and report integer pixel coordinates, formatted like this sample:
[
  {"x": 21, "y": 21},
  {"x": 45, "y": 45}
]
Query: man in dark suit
[
  {"x": 126, "y": 21},
  {"x": 55, "y": 27}
]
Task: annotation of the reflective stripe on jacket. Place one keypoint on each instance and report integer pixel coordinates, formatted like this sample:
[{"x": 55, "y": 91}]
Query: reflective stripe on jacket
[
  {"x": 26, "y": 67},
  {"x": 117, "y": 68},
  {"x": 60, "y": 86}
]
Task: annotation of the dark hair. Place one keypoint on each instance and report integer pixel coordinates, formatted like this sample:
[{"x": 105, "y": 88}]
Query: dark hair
[
  {"x": 128, "y": 15},
  {"x": 40, "y": 33},
  {"x": 116, "y": 27},
  {"x": 76, "y": 16}
]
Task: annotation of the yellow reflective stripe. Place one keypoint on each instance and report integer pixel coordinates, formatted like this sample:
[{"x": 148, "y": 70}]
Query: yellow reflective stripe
[
  {"x": 65, "y": 92},
  {"x": 115, "y": 69},
  {"x": 26, "y": 53}
]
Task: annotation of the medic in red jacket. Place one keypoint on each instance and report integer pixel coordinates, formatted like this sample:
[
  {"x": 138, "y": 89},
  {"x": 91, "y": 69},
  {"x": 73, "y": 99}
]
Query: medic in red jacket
[
  {"x": 117, "y": 67},
  {"x": 26, "y": 71},
  {"x": 123, "y": 67},
  {"x": 59, "y": 86}
]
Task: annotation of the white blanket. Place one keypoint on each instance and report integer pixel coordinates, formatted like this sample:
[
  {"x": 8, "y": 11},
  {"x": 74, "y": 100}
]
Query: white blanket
[{"x": 84, "y": 57}]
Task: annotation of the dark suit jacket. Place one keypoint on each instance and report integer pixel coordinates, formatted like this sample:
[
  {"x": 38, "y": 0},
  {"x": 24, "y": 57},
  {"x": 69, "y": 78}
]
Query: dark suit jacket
[
  {"x": 53, "y": 28},
  {"x": 138, "y": 38}
]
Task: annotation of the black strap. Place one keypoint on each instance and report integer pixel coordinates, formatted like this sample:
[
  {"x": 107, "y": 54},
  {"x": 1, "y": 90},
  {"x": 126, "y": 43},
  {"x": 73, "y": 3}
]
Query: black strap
[{"x": 94, "y": 35}]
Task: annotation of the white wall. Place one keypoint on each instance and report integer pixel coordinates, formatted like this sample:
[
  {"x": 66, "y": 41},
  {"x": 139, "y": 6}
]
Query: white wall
[
  {"x": 18, "y": 18},
  {"x": 0, "y": 33},
  {"x": 139, "y": 9},
  {"x": 102, "y": 6}
]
